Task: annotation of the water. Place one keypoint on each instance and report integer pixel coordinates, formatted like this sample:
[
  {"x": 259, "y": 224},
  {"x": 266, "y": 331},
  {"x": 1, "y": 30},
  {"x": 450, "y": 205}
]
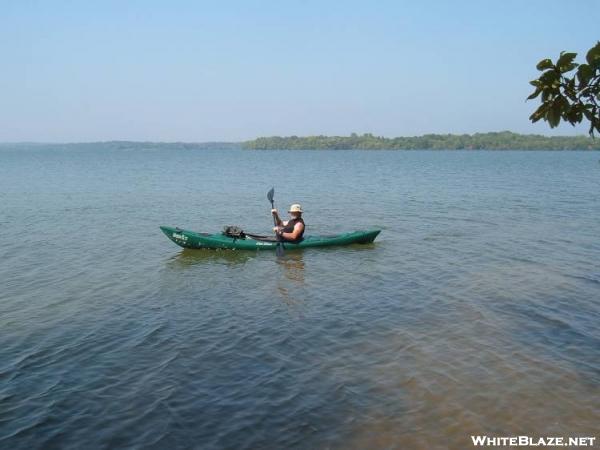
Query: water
[{"x": 475, "y": 312}]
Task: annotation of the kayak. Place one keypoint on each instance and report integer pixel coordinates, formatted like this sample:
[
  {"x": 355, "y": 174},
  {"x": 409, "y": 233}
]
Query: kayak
[{"x": 192, "y": 239}]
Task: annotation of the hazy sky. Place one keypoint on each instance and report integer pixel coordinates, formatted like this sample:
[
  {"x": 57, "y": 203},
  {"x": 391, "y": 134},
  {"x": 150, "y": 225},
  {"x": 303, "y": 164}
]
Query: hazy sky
[{"x": 202, "y": 71}]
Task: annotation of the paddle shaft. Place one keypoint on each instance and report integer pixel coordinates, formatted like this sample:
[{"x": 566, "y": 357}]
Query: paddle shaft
[
  {"x": 274, "y": 218},
  {"x": 279, "y": 250}
]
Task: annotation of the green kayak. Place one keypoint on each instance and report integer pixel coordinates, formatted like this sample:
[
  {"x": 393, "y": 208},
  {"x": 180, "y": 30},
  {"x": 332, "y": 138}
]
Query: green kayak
[{"x": 191, "y": 239}]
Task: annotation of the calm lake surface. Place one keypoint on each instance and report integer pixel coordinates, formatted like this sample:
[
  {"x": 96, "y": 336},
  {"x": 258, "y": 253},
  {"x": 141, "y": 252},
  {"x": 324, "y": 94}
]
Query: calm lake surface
[{"x": 476, "y": 311}]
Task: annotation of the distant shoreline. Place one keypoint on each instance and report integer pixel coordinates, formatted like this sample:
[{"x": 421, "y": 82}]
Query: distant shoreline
[{"x": 504, "y": 140}]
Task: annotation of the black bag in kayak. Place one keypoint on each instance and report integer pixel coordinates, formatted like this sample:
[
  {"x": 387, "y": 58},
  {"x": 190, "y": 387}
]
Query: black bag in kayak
[{"x": 234, "y": 232}]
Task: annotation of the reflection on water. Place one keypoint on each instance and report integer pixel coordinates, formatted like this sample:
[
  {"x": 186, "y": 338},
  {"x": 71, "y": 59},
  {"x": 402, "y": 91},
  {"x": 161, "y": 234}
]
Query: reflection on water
[
  {"x": 191, "y": 257},
  {"x": 291, "y": 278},
  {"x": 289, "y": 273},
  {"x": 292, "y": 264}
]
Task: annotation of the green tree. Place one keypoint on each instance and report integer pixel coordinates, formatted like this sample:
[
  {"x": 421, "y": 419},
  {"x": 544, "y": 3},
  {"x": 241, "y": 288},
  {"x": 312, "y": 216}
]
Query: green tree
[{"x": 569, "y": 94}]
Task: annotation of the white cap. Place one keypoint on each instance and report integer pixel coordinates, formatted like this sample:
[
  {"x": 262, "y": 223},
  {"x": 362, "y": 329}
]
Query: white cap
[{"x": 296, "y": 208}]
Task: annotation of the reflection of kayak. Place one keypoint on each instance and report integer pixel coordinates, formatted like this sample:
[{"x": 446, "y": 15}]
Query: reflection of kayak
[{"x": 191, "y": 239}]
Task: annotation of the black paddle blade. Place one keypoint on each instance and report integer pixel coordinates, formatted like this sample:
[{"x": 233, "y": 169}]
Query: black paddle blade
[
  {"x": 270, "y": 194},
  {"x": 279, "y": 250}
]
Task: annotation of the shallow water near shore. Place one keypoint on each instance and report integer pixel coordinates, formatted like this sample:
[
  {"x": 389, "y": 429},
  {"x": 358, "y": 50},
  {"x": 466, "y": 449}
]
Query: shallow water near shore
[{"x": 475, "y": 312}]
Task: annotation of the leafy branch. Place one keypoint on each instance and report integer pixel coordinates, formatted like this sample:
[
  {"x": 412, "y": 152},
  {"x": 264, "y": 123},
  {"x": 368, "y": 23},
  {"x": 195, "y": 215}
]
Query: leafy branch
[{"x": 569, "y": 97}]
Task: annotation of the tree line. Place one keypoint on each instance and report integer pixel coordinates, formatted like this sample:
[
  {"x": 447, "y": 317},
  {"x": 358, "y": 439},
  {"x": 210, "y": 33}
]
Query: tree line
[{"x": 504, "y": 140}]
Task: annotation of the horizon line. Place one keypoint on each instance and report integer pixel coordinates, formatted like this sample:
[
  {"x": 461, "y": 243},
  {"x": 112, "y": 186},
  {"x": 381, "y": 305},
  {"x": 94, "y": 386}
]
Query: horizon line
[{"x": 281, "y": 136}]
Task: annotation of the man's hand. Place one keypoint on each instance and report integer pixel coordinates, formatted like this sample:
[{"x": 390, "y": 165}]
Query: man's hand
[
  {"x": 276, "y": 217},
  {"x": 277, "y": 230}
]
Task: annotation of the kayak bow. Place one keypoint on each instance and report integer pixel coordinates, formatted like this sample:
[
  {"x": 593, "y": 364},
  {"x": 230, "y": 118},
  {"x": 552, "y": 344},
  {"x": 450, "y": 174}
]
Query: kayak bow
[{"x": 191, "y": 239}]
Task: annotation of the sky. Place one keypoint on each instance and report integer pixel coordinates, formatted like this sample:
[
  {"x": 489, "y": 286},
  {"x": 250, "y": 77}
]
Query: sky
[{"x": 75, "y": 71}]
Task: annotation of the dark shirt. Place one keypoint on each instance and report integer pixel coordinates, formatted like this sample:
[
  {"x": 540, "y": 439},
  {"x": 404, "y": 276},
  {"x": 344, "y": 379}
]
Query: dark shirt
[{"x": 289, "y": 228}]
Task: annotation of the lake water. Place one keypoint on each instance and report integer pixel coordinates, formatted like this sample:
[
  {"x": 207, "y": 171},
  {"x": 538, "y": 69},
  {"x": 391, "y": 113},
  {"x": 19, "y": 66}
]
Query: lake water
[{"x": 476, "y": 311}]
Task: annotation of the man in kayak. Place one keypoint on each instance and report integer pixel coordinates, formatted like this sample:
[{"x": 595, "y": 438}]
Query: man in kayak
[{"x": 290, "y": 230}]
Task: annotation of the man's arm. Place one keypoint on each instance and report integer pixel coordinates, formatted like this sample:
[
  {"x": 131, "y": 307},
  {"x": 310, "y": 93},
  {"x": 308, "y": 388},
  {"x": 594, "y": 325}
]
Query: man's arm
[{"x": 277, "y": 219}]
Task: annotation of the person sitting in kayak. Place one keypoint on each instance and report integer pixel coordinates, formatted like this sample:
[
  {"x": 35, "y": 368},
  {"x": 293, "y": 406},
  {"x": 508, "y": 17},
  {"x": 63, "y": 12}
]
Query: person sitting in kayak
[{"x": 290, "y": 230}]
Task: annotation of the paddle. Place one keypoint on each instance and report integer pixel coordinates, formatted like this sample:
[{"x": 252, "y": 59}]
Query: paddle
[{"x": 279, "y": 250}]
